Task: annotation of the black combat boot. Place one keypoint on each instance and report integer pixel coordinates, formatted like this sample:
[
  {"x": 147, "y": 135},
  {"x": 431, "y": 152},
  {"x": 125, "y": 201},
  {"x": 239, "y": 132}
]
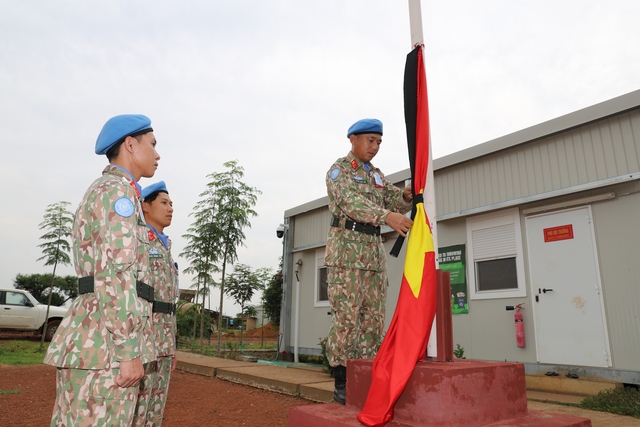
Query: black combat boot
[{"x": 340, "y": 391}]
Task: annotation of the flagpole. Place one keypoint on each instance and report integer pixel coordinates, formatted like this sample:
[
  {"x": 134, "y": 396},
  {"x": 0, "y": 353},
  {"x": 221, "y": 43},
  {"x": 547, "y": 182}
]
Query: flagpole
[{"x": 417, "y": 38}]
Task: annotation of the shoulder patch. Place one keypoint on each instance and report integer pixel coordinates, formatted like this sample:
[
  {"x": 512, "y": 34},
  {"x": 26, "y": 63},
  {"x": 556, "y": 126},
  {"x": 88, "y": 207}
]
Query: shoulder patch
[
  {"x": 334, "y": 173},
  {"x": 124, "y": 207}
]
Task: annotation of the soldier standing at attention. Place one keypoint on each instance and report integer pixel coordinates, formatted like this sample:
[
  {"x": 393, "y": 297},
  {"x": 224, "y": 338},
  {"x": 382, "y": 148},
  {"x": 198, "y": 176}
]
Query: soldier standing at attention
[
  {"x": 158, "y": 213},
  {"x": 360, "y": 200},
  {"x": 102, "y": 347}
]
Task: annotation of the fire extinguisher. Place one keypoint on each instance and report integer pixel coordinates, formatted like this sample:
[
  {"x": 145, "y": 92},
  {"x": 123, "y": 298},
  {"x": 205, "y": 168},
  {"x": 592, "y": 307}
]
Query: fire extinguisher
[{"x": 519, "y": 324}]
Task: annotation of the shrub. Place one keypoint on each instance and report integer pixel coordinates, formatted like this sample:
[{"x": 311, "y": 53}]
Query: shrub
[
  {"x": 458, "y": 352},
  {"x": 621, "y": 401}
]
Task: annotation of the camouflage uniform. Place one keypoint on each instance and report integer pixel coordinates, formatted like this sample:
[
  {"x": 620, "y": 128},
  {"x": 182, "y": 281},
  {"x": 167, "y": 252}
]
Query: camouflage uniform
[
  {"x": 356, "y": 265},
  {"x": 164, "y": 279},
  {"x": 111, "y": 324}
]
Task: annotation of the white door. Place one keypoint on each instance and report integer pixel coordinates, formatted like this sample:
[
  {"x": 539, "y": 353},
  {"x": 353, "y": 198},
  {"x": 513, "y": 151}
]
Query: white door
[{"x": 567, "y": 301}]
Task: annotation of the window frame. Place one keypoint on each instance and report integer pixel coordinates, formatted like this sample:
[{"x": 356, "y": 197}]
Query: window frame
[
  {"x": 508, "y": 222},
  {"x": 319, "y": 264}
]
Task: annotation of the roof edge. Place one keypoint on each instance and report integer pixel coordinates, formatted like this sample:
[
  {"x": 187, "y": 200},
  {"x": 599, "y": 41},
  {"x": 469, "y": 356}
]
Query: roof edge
[{"x": 593, "y": 113}]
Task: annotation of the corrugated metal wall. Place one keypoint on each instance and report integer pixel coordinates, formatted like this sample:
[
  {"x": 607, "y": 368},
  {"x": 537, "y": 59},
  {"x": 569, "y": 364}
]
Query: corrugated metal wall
[
  {"x": 602, "y": 150},
  {"x": 617, "y": 228},
  {"x": 311, "y": 229}
]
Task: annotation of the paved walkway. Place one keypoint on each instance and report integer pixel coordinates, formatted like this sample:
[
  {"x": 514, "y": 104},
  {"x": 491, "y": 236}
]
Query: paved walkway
[{"x": 311, "y": 383}]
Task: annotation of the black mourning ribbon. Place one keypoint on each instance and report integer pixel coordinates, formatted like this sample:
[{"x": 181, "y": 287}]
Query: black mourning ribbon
[
  {"x": 397, "y": 246},
  {"x": 410, "y": 113}
]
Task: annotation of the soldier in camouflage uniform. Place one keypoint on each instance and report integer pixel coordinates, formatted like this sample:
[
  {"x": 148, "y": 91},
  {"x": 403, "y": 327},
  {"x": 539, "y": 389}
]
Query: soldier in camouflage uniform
[
  {"x": 360, "y": 200},
  {"x": 158, "y": 212},
  {"x": 102, "y": 347}
]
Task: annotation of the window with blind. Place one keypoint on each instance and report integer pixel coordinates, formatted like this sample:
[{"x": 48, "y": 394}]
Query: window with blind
[{"x": 495, "y": 252}]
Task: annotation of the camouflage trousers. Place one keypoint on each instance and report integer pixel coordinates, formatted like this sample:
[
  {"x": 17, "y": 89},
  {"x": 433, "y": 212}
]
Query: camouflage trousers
[
  {"x": 145, "y": 389},
  {"x": 90, "y": 397},
  {"x": 151, "y": 401},
  {"x": 357, "y": 300}
]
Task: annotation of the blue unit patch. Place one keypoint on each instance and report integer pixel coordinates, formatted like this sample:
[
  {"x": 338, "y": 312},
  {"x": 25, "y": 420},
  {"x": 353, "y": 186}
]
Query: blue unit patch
[
  {"x": 334, "y": 173},
  {"x": 124, "y": 207}
]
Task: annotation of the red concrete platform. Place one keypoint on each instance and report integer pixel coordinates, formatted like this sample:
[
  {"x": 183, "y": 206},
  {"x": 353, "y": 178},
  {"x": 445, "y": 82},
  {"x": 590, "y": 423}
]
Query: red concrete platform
[
  {"x": 461, "y": 393},
  {"x": 336, "y": 415}
]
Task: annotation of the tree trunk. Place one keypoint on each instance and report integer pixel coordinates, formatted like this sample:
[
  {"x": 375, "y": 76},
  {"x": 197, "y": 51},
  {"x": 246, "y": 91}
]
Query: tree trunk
[
  {"x": 204, "y": 295},
  {"x": 195, "y": 310},
  {"x": 241, "y": 327},
  {"x": 224, "y": 267},
  {"x": 46, "y": 318}
]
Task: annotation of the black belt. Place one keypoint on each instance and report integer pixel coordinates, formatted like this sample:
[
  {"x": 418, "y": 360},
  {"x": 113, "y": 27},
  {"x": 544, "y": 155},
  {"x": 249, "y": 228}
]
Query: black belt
[
  {"x": 164, "y": 307},
  {"x": 356, "y": 226},
  {"x": 86, "y": 285}
]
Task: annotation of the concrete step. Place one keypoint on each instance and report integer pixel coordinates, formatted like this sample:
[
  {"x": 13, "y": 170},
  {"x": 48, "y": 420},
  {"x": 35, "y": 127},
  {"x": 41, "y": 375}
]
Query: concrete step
[
  {"x": 582, "y": 386},
  {"x": 548, "y": 397}
]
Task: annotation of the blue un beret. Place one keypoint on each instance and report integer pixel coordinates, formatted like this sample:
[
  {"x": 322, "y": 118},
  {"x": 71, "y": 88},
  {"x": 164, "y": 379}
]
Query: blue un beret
[
  {"x": 118, "y": 128},
  {"x": 150, "y": 189},
  {"x": 365, "y": 126}
]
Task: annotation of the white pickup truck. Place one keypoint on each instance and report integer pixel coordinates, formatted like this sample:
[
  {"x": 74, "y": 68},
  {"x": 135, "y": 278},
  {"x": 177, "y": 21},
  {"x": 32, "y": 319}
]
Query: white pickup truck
[{"x": 20, "y": 311}]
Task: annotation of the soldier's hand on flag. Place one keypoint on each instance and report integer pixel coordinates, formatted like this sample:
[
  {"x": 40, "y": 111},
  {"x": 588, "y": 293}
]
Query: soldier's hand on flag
[
  {"x": 407, "y": 194},
  {"x": 131, "y": 372},
  {"x": 400, "y": 223}
]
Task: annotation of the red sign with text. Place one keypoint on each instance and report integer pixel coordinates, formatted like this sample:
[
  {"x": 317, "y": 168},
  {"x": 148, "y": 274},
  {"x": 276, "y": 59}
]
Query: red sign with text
[{"x": 563, "y": 232}]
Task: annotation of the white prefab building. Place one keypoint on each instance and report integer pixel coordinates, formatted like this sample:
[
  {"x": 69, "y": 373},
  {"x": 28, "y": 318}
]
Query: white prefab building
[{"x": 548, "y": 217}]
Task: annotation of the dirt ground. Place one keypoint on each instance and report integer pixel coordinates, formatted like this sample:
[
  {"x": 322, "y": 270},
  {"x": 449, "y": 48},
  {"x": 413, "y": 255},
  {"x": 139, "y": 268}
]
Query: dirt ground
[{"x": 193, "y": 400}]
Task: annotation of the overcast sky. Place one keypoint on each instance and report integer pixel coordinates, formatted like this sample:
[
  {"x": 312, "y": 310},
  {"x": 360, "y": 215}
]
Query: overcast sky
[{"x": 275, "y": 84}]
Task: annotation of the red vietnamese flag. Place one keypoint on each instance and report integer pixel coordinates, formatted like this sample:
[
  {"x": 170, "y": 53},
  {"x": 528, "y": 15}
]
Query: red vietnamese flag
[{"x": 405, "y": 343}]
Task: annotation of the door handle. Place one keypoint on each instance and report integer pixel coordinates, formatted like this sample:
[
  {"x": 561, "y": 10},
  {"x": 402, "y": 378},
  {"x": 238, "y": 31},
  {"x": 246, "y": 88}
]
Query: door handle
[{"x": 546, "y": 290}]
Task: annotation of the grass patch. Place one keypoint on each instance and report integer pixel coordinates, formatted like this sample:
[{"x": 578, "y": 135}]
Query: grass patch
[
  {"x": 258, "y": 346},
  {"x": 225, "y": 346},
  {"x": 621, "y": 401},
  {"x": 21, "y": 352},
  {"x": 14, "y": 391}
]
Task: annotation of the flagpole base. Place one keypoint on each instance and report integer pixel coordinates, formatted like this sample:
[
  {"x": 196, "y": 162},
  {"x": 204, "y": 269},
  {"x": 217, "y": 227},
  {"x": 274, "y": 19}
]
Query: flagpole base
[{"x": 460, "y": 393}]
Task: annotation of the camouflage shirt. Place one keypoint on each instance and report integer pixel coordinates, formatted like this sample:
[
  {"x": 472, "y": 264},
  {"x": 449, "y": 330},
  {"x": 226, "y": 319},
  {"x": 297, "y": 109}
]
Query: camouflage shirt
[
  {"x": 362, "y": 197},
  {"x": 164, "y": 279},
  {"x": 110, "y": 243}
]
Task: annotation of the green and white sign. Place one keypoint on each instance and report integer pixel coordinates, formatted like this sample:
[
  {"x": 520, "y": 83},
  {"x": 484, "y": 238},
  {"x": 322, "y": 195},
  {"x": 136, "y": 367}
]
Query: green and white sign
[{"x": 452, "y": 259}]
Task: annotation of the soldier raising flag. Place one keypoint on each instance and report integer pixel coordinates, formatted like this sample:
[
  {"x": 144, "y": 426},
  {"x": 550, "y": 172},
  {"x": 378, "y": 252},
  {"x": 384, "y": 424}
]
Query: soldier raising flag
[{"x": 361, "y": 199}]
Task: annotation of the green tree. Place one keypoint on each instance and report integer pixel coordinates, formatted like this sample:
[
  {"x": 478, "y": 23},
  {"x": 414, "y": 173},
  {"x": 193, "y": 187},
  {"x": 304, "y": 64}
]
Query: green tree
[
  {"x": 249, "y": 311},
  {"x": 219, "y": 219},
  {"x": 57, "y": 222},
  {"x": 242, "y": 285},
  {"x": 234, "y": 201},
  {"x": 65, "y": 288},
  {"x": 201, "y": 250},
  {"x": 272, "y": 297}
]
